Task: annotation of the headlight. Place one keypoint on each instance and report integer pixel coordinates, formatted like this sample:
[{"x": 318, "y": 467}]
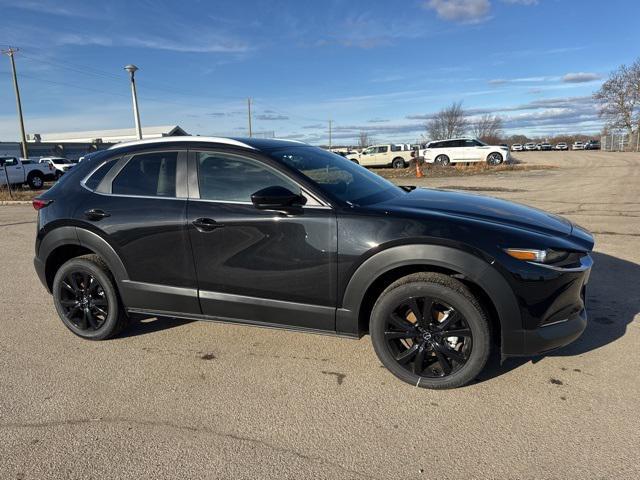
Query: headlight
[{"x": 539, "y": 256}]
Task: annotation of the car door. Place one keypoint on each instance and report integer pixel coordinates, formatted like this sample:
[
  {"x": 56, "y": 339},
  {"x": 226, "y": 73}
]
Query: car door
[
  {"x": 13, "y": 170},
  {"x": 368, "y": 157},
  {"x": 454, "y": 149},
  {"x": 474, "y": 151},
  {"x": 259, "y": 266},
  {"x": 140, "y": 207}
]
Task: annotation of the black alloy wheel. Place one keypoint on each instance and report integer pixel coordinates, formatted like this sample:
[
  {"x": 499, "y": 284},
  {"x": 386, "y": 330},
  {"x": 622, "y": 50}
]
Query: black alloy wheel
[
  {"x": 430, "y": 331},
  {"x": 83, "y": 300},
  {"x": 428, "y": 337},
  {"x": 86, "y": 299}
]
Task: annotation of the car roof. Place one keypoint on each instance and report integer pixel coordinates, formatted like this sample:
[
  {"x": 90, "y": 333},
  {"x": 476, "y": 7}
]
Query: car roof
[{"x": 253, "y": 143}]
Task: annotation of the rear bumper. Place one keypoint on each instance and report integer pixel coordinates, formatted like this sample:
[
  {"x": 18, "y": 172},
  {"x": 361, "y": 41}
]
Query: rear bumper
[{"x": 39, "y": 266}]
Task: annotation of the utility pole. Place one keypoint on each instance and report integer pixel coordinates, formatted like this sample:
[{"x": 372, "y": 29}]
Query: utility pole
[
  {"x": 330, "y": 122},
  {"x": 11, "y": 52},
  {"x": 134, "y": 95},
  {"x": 249, "y": 114}
]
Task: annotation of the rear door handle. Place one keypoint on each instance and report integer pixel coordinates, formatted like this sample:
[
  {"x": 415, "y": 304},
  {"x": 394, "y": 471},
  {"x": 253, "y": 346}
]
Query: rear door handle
[
  {"x": 96, "y": 214},
  {"x": 206, "y": 224}
]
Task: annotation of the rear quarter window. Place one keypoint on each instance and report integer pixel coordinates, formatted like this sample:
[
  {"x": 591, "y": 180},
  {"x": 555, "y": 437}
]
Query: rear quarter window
[{"x": 96, "y": 177}]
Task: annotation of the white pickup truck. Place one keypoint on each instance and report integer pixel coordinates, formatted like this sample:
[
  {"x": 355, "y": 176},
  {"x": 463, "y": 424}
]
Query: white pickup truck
[
  {"x": 391, "y": 154},
  {"x": 19, "y": 171}
]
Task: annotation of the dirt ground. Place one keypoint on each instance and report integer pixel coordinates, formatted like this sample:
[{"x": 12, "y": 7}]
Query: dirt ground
[{"x": 177, "y": 399}]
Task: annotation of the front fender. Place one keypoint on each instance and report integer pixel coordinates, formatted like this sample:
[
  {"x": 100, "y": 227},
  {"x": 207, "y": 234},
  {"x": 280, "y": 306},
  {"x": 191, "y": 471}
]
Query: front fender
[{"x": 474, "y": 268}]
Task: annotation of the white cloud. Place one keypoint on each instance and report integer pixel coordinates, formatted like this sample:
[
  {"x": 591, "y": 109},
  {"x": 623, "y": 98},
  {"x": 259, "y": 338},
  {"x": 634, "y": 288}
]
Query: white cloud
[
  {"x": 202, "y": 44},
  {"x": 521, "y": 2},
  {"x": 464, "y": 11},
  {"x": 580, "y": 77}
]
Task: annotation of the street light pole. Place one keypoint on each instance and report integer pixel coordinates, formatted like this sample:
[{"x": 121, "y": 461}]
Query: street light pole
[
  {"x": 10, "y": 52},
  {"x": 136, "y": 114}
]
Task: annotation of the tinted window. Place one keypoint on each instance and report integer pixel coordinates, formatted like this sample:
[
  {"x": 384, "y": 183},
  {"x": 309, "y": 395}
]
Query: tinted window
[
  {"x": 94, "y": 180},
  {"x": 383, "y": 149},
  {"x": 396, "y": 148},
  {"x": 337, "y": 176},
  {"x": 150, "y": 174},
  {"x": 231, "y": 178},
  {"x": 8, "y": 162}
]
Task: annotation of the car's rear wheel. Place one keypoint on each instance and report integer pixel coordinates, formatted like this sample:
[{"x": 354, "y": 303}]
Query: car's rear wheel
[
  {"x": 355, "y": 161},
  {"x": 442, "y": 160},
  {"x": 86, "y": 299},
  {"x": 430, "y": 331},
  {"x": 35, "y": 181},
  {"x": 494, "y": 159},
  {"x": 398, "y": 163}
]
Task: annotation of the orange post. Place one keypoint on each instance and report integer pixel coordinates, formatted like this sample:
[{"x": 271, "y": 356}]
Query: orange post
[{"x": 419, "y": 173}]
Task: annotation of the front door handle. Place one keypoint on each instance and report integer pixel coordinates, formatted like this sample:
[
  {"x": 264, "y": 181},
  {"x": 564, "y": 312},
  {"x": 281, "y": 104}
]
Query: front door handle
[
  {"x": 206, "y": 224},
  {"x": 96, "y": 214}
]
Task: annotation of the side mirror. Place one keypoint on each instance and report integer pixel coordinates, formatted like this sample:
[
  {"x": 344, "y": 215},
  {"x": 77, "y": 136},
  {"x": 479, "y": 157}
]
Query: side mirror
[{"x": 277, "y": 198}]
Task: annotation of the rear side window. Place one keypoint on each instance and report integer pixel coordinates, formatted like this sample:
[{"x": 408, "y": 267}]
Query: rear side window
[
  {"x": 150, "y": 174},
  {"x": 234, "y": 179},
  {"x": 94, "y": 180}
]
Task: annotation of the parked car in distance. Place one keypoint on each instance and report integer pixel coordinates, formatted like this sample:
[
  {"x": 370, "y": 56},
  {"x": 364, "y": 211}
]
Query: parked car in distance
[
  {"x": 544, "y": 146},
  {"x": 592, "y": 145},
  {"x": 577, "y": 146},
  {"x": 61, "y": 165},
  {"x": 517, "y": 147},
  {"x": 561, "y": 146},
  {"x": 281, "y": 234},
  {"x": 24, "y": 171},
  {"x": 445, "y": 152},
  {"x": 387, "y": 155},
  {"x": 530, "y": 146}
]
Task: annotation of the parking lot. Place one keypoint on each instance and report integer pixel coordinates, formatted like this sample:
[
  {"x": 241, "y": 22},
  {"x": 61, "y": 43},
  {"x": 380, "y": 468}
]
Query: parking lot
[{"x": 178, "y": 399}]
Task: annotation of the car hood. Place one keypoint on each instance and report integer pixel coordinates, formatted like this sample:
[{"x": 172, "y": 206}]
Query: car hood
[{"x": 479, "y": 207}]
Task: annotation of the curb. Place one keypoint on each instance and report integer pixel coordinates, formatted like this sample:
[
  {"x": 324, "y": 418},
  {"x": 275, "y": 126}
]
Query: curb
[{"x": 15, "y": 202}]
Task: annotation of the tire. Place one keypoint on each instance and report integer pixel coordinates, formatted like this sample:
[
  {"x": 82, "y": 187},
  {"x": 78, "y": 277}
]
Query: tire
[
  {"x": 399, "y": 163},
  {"x": 86, "y": 299},
  {"x": 453, "y": 308},
  {"x": 442, "y": 160},
  {"x": 355, "y": 161},
  {"x": 494, "y": 159},
  {"x": 35, "y": 180}
]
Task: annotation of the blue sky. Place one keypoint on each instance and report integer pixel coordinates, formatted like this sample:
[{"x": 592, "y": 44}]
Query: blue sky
[{"x": 378, "y": 66}]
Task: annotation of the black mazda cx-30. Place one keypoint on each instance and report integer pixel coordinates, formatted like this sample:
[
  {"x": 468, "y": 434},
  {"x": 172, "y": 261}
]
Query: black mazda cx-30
[{"x": 282, "y": 234}]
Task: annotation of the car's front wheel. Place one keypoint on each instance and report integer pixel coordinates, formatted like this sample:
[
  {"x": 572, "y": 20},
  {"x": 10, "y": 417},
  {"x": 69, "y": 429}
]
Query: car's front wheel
[
  {"x": 86, "y": 299},
  {"x": 494, "y": 159},
  {"x": 429, "y": 330}
]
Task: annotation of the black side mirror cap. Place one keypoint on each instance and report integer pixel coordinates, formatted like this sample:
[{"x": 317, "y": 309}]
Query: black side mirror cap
[{"x": 277, "y": 198}]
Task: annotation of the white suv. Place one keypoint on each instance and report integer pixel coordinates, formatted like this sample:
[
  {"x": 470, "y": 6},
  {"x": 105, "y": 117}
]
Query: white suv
[
  {"x": 444, "y": 152},
  {"x": 59, "y": 164}
]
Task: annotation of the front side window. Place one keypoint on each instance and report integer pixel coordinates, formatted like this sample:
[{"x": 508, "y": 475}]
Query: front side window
[
  {"x": 149, "y": 174},
  {"x": 369, "y": 151},
  {"x": 337, "y": 176},
  {"x": 230, "y": 178}
]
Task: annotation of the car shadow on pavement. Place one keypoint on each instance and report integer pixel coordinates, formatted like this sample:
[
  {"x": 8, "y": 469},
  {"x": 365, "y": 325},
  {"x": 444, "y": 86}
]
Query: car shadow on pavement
[
  {"x": 142, "y": 325},
  {"x": 613, "y": 300}
]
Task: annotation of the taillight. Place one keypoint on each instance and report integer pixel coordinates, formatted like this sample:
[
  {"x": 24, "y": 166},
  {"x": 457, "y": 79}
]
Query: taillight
[{"x": 39, "y": 203}]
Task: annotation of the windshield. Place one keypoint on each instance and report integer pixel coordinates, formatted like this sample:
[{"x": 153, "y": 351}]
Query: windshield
[{"x": 338, "y": 177}]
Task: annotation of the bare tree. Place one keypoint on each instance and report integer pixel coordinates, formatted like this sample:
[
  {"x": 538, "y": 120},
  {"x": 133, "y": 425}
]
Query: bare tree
[
  {"x": 619, "y": 97},
  {"x": 364, "y": 139},
  {"x": 488, "y": 128},
  {"x": 449, "y": 122}
]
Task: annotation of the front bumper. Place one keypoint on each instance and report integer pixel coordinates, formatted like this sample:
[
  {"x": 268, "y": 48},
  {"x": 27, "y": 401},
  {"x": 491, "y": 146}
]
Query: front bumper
[{"x": 548, "y": 337}]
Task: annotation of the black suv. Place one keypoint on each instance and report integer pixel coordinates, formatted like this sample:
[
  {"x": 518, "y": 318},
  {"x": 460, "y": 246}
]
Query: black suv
[{"x": 282, "y": 234}]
